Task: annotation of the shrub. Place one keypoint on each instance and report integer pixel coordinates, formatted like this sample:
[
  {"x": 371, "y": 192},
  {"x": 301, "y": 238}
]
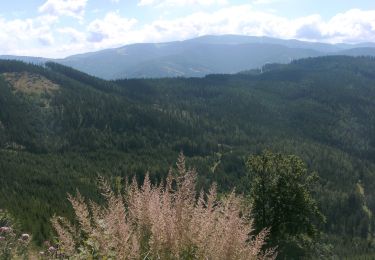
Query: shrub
[{"x": 166, "y": 221}]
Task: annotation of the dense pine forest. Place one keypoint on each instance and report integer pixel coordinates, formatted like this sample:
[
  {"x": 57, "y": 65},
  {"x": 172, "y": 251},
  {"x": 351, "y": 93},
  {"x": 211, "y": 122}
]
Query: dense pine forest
[{"x": 60, "y": 129}]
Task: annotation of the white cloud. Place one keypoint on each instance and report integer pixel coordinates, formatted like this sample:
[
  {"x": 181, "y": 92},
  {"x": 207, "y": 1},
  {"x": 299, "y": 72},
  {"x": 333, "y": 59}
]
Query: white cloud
[
  {"x": 73, "y": 8},
  {"x": 231, "y": 20},
  {"x": 16, "y": 36},
  {"x": 111, "y": 29},
  {"x": 181, "y": 2},
  {"x": 42, "y": 36},
  {"x": 351, "y": 26},
  {"x": 74, "y": 35}
]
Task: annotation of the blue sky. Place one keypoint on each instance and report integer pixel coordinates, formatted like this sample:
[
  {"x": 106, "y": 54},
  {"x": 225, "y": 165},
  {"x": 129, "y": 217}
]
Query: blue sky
[{"x": 58, "y": 28}]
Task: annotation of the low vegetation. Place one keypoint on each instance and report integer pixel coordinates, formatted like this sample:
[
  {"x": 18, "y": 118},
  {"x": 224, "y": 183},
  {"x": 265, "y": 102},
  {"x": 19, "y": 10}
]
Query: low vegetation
[
  {"x": 166, "y": 221},
  {"x": 13, "y": 245}
]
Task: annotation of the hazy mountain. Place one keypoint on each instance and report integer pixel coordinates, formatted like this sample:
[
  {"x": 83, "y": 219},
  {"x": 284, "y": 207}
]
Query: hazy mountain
[
  {"x": 204, "y": 59},
  {"x": 363, "y": 51},
  {"x": 28, "y": 59},
  {"x": 200, "y": 56}
]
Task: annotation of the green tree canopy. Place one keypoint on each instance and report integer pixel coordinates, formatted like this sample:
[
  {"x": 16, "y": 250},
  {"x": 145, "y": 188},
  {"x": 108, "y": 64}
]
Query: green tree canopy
[{"x": 280, "y": 192}]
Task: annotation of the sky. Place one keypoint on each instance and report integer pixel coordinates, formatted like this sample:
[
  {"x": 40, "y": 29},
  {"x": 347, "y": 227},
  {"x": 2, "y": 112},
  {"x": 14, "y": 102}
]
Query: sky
[{"x": 59, "y": 28}]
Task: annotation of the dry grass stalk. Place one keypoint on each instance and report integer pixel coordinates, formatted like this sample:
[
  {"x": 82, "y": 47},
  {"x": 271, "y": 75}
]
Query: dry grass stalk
[{"x": 165, "y": 221}]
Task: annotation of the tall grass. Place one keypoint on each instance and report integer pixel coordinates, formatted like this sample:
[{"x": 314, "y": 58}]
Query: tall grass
[{"x": 166, "y": 221}]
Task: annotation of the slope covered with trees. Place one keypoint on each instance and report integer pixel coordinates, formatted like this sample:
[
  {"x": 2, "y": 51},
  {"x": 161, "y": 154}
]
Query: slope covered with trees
[{"x": 60, "y": 137}]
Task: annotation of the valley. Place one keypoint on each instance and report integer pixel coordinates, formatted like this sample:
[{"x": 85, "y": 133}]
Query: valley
[{"x": 60, "y": 128}]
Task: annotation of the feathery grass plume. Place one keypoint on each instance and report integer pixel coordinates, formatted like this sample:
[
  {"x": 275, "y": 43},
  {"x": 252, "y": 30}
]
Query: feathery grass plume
[
  {"x": 66, "y": 233},
  {"x": 165, "y": 221}
]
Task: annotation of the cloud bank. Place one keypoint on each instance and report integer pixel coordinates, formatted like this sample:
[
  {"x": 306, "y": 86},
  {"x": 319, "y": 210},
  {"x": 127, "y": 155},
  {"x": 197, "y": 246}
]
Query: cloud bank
[
  {"x": 44, "y": 35},
  {"x": 73, "y": 8}
]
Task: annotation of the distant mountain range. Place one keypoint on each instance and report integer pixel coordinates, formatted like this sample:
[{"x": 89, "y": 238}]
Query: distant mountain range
[{"x": 199, "y": 56}]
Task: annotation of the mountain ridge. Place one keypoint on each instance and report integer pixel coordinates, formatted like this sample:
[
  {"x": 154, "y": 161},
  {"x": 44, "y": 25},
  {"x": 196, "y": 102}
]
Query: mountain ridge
[{"x": 199, "y": 56}]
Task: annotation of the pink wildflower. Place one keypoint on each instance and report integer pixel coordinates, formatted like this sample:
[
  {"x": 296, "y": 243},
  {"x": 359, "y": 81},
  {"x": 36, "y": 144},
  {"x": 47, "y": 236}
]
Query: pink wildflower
[
  {"x": 52, "y": 249},
  {"x": 25, "y": 237},
  {"x": 5, "y": 229}
]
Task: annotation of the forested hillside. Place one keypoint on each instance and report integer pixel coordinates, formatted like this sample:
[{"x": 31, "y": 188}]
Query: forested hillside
[{"x": 60, "y": 129}]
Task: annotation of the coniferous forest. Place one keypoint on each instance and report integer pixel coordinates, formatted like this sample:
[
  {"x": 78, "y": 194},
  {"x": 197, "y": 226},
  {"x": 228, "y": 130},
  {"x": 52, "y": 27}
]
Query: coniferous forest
[{"x": 300, "y": 133}]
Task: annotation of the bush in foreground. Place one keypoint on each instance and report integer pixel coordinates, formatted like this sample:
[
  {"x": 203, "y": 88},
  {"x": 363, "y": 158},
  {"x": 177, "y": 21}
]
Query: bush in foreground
[{"x": 166, "y": 221}]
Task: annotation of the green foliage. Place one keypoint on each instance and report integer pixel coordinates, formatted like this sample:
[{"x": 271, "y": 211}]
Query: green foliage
[
  {"x": 13, "y": 245},
  {"x": 280, "y": 193},
  {"x": 321, "y": 109}
]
